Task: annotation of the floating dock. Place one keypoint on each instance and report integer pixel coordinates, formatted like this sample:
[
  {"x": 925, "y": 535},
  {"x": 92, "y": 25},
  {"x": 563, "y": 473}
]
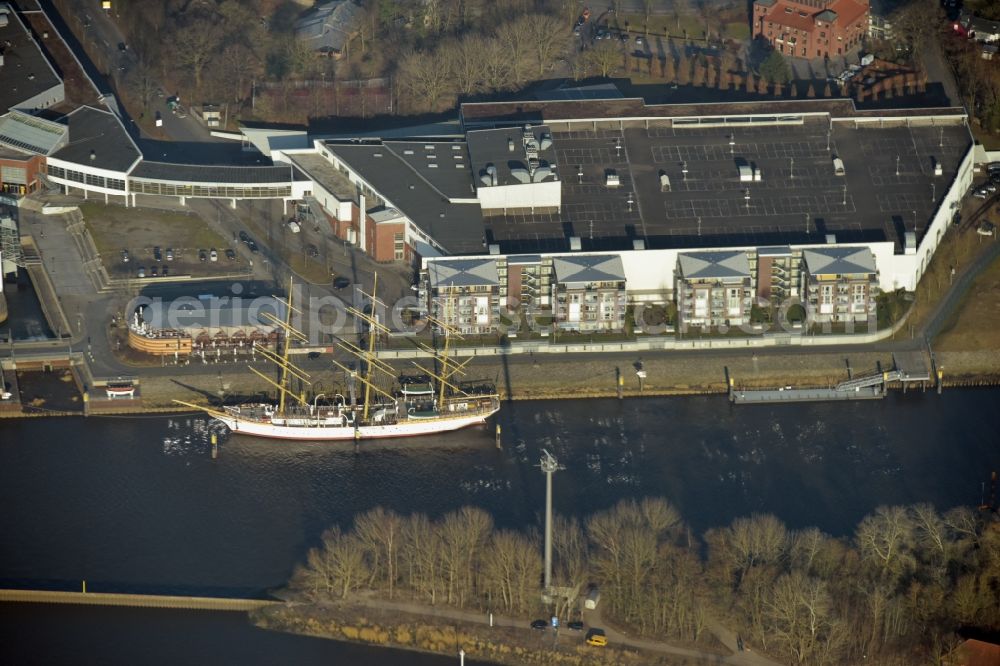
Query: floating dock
[{"x": 910, "y": 368}]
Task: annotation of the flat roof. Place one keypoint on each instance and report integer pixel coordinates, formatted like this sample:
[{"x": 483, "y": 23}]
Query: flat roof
[
  {"x": 98, "y": 139},
  {"x": 324, "y": 173},
  {"x": 457, "y": 227},
  {"x": 26, "y": 70},
  {"x": 799, "y": 198},
  {"x": 197, "y": 173},
  {"x": 505, "y": 113},
  {"x": 443, "y": 164},
  {"x": 193, "y": 313},
  {"x": 30, "y": 133},
  {"x": 505, "y": 150}
]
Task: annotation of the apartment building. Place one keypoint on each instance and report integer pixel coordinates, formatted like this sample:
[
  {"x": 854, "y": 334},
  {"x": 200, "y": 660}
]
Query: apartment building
[
  {"x": 465, "y": 294},
  {"x": 839, "y": 284},
  {"x": 588, "y": 293},
  {"x": 714, "y": 288}
]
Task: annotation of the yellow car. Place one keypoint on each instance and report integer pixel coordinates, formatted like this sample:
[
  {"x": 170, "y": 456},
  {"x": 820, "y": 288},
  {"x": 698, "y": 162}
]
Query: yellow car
[{"x": 596, "y": 638}]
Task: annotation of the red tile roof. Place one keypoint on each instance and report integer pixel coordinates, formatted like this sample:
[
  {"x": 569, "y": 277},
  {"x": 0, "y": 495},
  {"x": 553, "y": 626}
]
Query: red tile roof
[
  {"x": 848, "y": 11},
  {"x": 974, "y": 653}
]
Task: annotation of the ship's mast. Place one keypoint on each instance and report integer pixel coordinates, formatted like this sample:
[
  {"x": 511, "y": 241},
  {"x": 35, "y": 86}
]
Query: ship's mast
[
  {"x": 372, "y": 333},
  {"x": 284, "y": 352},
  {"x": 288, "y": 369}
]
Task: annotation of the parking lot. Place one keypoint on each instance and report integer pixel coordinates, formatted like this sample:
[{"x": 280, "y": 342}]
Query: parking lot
[{"x": 889, "y": 185}]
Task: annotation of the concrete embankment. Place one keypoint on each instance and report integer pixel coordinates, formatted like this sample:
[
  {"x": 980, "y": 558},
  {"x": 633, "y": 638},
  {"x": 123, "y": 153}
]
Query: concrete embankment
[{"x": 576, "y": 377}]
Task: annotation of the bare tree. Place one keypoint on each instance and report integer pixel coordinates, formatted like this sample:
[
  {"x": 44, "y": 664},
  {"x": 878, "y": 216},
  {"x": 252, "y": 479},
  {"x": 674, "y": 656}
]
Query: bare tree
[
  {"x": 143, "y": 84},
  {"x": 424, "y": 78},
  {"x": 546, "y": 37},
  {"x": 238, "y": 62},
  {"x": 606, "y": 58},
  {"x": 466, "y": 57},
  {"x": 381, "y": 533},
  {"x": 195, "y": 44},
  {"x": 885, "y": 537}
]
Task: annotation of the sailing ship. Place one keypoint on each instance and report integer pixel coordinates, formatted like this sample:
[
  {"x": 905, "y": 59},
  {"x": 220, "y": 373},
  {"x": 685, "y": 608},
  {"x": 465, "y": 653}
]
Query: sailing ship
[{"x": 417, "y": 408}]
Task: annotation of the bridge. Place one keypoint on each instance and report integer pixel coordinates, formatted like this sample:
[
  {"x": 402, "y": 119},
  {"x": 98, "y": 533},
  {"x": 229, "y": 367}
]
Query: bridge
[{"x": 133, "y": 600}]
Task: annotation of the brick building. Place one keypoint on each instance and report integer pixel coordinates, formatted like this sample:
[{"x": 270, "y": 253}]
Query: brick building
[{"x": 811, "y": 28}]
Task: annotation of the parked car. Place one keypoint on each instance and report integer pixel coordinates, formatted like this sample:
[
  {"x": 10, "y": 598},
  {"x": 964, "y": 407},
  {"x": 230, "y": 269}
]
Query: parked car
[
  {"x": 170, "y": 254},
  {"x": 231, "y": 254},
  {"x": 166, "y": 270},
  {"x": 638, "y": 40},
  {"x": 597, "y": 638},
  {"x": 576, "y": 625},
  {"x": 154, "y": 271},
  {"x": 991, "y": 187},
  {"x": 125, "y": 257},
  {"x": 253, "y": 247},
  {"x": 980, "y": 194},
  {"x": 157, "y": 255},
  {"x": 141, "y": 272},
  {"x": 244, "y": 237},
  {"x": 539, "y": 625},
  {"x": 293, "y": 226},
  {"x": 312, "y": 250},
  {"x": 213, "y": 255},
  {"x": 341, "y": 282},
  {"x": 202, "y": 255}
]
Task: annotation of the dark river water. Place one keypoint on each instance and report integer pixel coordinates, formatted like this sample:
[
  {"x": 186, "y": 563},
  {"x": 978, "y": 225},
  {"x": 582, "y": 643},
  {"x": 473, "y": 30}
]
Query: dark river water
[{"x": 138, "y": 504}]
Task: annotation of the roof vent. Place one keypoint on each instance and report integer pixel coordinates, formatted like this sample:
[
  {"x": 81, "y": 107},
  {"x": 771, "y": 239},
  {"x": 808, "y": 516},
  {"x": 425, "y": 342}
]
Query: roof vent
[
  {"x": 574, "y": 243},
  {"x": 93, "y": 155},
  {"x": 494, "y": 248},
  {"x": 510, "y": 145},
  {"x": 638, "y": 244},
  {"x": 376, "y": 154},
  {"x": 831, "y": 239}
]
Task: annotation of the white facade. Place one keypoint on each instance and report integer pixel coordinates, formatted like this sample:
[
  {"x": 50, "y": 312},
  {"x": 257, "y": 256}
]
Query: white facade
[{"x": 547, "y": 194}]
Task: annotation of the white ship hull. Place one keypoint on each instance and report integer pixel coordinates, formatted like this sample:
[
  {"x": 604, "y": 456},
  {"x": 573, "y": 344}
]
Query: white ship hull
[{"x": 408, "y": 428}]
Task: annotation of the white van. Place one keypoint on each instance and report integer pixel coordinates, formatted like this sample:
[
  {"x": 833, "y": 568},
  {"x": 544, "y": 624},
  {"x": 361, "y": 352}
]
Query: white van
[
  {"x": 593, "y": 598},
  {"x": 838, "y": 166}
]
